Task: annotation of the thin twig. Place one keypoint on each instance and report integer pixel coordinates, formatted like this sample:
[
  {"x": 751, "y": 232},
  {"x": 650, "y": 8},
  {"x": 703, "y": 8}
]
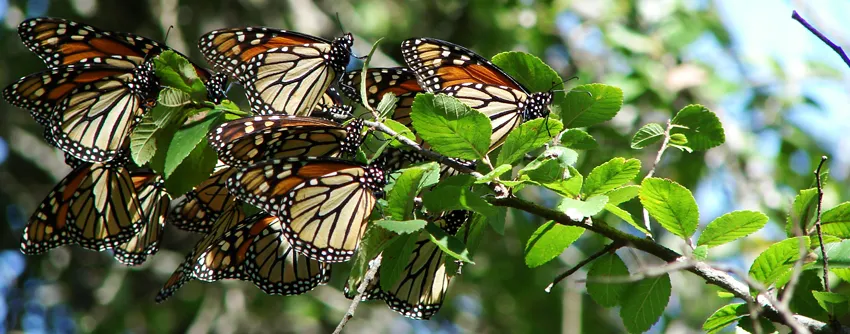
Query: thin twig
[
  {"x": 648, "y": 272},
  {"x": 610, "y": 248},
  {"x": 664, "y": 144},
  {"x": 770, "y": 302},
  {"x": 824, "y": 39},
  {"x": 361, "y": 290},
  {"x": 817, "y": 225},
  {"x": 788, "y": 292}
]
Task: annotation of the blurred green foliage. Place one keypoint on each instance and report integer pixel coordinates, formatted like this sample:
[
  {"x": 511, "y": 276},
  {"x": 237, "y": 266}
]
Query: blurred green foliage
[{"x": 623, "y": 43}]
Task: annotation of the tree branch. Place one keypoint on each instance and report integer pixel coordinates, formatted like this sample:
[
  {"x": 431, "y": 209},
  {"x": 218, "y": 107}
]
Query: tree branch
[
  {"x": 711, "y": 275},
  {"x": 824, "y": 39},
  {"x": 610, "y": 248},
  {"x": 361, "y": 290},
  {"x": 701, "y": 269}
]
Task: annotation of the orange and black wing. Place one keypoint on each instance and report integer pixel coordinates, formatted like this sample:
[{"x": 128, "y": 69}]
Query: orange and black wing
[
  {"x": 283, "y": 72},
  {"x": 420, "y": 290},
  {"x": 323, "y": 203},
  {"x": 255, "y": 250},
  {"x": 95, "y": 206},
  {"x": 186, "y": 271},
  {"x": 443, "y": 67},
  {"x": 41, "y": 92},
  {"x": 154, "y": 202},
  {"x": 205, "y": 203},
  {"x": 246, "y": 141},
  {"x": 398, "y": 81}
]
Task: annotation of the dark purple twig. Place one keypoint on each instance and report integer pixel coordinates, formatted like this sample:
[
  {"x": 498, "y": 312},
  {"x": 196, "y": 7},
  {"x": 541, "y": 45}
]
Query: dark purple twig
[{"x": 823, "y": 38}]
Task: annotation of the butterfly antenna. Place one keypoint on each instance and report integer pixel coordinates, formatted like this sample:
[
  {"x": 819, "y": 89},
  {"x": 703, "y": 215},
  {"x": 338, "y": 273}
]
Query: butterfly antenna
[{"x": 339, "y": 23}]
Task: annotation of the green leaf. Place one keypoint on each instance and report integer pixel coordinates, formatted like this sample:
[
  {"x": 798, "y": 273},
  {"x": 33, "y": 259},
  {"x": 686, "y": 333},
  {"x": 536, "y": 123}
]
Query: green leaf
[
  {"x": 803, "y": 302},
  {"x": 543, "y": 171},
  {"x": 627, "y": 217},
  {"x": 548, "y": 241},
  {"x": 451, "y": 197},
  {"x": 373, "y": 242},
  {"x": 724, "y": 317},
  {"x": 387, "y": 105},
  {"x": 175, "y": 71},
  {"x": 701, "y": 252},
  {"x": 802, "y": 211},
  {"x": 173, "y": 98},
  {"x": 579, "y": 209},
  {"x": 606, "y": 267},
  {"x": 192, "y": 170},
  {"x": 529, "y": 71},
  {"x": 400, "y": 129},
  {"x": 526, "y": 137},
  {"x": 493, "y": 174},
  {"x": 431, "y": 175},
  {"x": 836, "y": 221},
  {"x": 777, "y": 260},
  {"x": 701, "y": 127},
  {"x": 842, "y": 273},
  {"x": 833, "y": 303},
  {"x": 142, "y": 140},
  {"x": 678, "y": 139},
  {"x": 402, "y": 227},
  {"x": 395, "y": 257},
  {"x": 612, "y": 174},
  {"x": 590, "y": 104},
  {"x": 400, "y": 197},
  {"x": 731, "y": 226},
  {"x": 645, "y": 303},
  {"x": 746, "y": 323},
  {"x": 622, "y": 194},
  {"x": 578, "y": 139},
  {"x": 451, "y": 127},
  {"x": 187, "y": 139},
  {"x": 647, "y": 135},
  {"x": 671, "y": 204},
  {"x": 448, "y": 243}
]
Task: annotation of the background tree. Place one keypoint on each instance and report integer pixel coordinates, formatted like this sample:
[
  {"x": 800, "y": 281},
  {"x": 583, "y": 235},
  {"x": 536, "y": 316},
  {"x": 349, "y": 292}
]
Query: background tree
[{"x": 780, "y": 115}]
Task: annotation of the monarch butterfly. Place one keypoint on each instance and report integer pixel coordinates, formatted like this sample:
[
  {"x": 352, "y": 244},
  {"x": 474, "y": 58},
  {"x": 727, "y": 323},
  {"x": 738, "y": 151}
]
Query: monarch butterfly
[
  {"x": 243, "y": 142},
  {"x": 443, "y": 67},
  {"x": 282, "y": 71},
  {"x": 95, "y": 206},
  {"x": 203, "y": 205},
  {"x": 186, "y": 271},
  {"x": 398, "y": 81},
  {"x": 154, "y": 201},
  {"x": 89, "y": 107},
  {"x": 421, "y": 288},
  {"x": 330, "y": 107},
  {"x": 61, "y": 42},
  {"x": 323, "y": 202}
]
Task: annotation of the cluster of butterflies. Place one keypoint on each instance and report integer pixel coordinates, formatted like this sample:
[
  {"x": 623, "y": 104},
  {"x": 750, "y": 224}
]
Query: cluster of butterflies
[{"x": 292, "y": 160}]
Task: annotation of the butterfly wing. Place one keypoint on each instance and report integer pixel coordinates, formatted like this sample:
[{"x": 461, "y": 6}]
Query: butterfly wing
[
  {"x": 323, "y": 203},
  {"x": 188, "y": 271},
  {"x": 246, "y": 141},
  {"x": 154, "y": 202},
  {"x": 398, "y": 81},
  {"x": 420, "y": 290},
  {"x": 443, "y": 67},
  {"x": 95, "y": 206},
  {"x": 203, "y": 205}
]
